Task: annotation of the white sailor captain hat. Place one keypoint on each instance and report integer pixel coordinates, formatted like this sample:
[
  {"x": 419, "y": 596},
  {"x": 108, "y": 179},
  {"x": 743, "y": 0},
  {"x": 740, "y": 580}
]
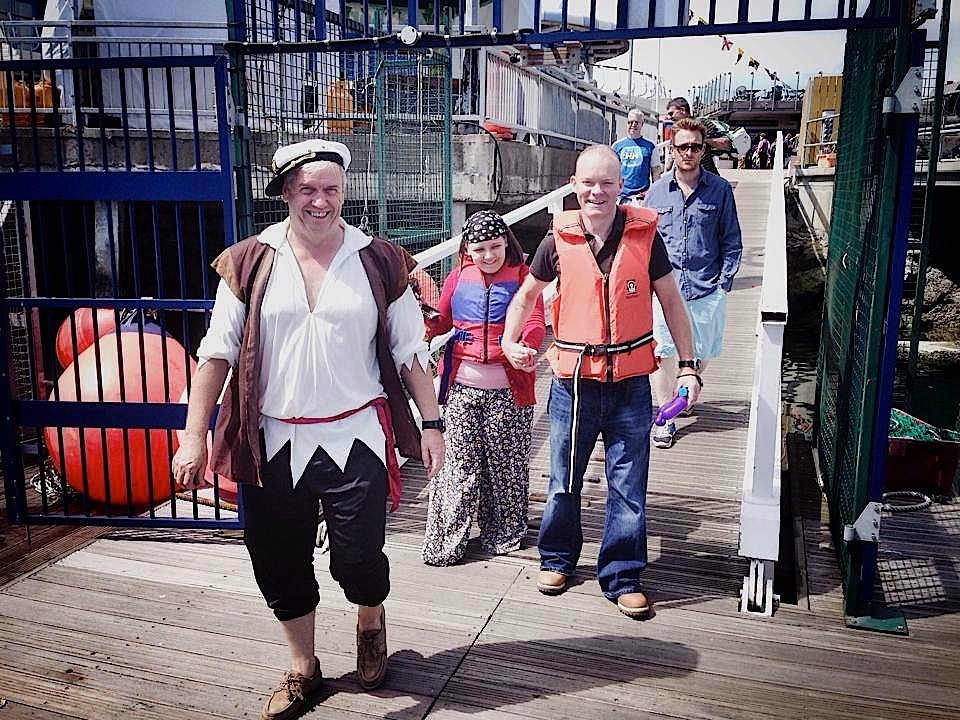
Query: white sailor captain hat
[{"x": 290, "y": 157}]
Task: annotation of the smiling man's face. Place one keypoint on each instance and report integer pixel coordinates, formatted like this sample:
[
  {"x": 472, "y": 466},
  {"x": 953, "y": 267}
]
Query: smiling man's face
[
  {"x": 596, "y": 183},
  {"x": 314, "y": 194}
]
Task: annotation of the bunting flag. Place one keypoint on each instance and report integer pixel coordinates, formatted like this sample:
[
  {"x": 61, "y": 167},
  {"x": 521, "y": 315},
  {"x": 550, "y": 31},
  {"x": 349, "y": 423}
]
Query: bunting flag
[{"x": 727, "y": 45}]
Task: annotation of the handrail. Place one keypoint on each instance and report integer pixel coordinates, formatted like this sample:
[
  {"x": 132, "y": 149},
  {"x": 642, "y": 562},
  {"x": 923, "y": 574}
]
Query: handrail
[
  {"x": 760, "y": 502},
  {"x": 529, "y": 100},
  {"x": 448, "y": 248}
]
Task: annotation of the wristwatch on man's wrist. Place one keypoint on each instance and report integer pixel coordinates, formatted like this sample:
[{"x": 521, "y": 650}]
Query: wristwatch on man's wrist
[
  {"x": 434, "y": 425},
  {"x": 692, "y": 364}
]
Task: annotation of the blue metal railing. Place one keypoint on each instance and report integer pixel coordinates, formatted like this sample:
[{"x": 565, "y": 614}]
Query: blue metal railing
[
  {"x": 109, "y": 214},
  {"x": 552, "y": 22}
]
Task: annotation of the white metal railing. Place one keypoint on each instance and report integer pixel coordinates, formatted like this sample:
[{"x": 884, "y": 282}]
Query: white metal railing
[
  {"x": 529, "y": 100},
  {"x": 760, "y": 502},
  {"x": 552, "y": 201}
]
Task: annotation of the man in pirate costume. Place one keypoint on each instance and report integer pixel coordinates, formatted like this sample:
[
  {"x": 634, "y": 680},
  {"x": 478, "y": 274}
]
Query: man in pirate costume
[
  {"x": 322, "y": 332},
  {"x": 608, "y": 262}
]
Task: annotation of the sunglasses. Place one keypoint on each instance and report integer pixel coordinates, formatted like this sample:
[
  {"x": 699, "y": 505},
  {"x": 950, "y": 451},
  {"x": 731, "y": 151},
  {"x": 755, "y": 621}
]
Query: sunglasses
[{"x": 689, "y": 147}]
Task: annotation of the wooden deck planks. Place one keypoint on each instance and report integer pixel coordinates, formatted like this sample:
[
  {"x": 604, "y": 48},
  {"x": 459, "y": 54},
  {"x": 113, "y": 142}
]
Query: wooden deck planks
[{"x": 137, "y": 626}]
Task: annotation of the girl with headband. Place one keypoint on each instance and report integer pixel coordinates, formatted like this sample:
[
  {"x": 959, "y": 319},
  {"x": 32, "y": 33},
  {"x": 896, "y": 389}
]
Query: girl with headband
[{"x": 489, "y": 403}]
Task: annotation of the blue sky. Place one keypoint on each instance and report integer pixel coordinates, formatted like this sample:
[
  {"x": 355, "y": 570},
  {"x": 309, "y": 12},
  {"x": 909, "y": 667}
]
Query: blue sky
[{"x": 684, "y": 62}]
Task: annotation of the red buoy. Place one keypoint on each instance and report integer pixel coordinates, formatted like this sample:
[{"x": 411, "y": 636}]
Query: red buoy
[
  {"x": 82, "y": 319},
  {"x": 104, "y": 457}
]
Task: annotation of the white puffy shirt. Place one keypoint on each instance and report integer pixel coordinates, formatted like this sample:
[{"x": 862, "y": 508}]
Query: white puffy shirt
[{"x": 321, "y": 363}]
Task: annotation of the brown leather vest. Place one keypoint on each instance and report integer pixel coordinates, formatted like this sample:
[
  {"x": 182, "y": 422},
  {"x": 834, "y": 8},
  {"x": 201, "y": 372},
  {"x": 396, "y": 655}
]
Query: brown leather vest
[{"x": 245, "y": 267}]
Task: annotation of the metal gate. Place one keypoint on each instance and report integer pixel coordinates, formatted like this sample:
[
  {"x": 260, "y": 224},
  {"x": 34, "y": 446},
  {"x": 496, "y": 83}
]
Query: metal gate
[
  {"x": 117, "y": 192},
  {"x": 865, "y": 270}
]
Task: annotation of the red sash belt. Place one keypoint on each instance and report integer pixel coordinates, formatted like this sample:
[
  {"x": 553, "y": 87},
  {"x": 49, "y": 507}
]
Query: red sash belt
[{"x": 383, "y": 415}]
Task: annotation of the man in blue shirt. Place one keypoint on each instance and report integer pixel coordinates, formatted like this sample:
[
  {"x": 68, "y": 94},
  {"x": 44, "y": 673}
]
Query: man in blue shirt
[
  {"x": 639, "y": 159},
  {"x": 697, "y": 218}
]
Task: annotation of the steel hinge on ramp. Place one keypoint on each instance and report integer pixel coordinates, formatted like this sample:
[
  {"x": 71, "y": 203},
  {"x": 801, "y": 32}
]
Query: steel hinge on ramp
[
  {"x": 866, "y": 528},
  {"x": 909, "y": 95},
  {"x": 757, "y": 596}
]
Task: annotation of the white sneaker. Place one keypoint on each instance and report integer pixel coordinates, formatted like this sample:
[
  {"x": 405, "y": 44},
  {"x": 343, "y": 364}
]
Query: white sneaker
[{"x": 663, "y": 435}]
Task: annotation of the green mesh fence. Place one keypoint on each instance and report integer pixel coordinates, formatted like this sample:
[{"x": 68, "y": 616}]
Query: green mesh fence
[
  {"x": 855, "y": 293},
  {"x": 413, "y": 150},
  {"x": 392, "y": 109}
]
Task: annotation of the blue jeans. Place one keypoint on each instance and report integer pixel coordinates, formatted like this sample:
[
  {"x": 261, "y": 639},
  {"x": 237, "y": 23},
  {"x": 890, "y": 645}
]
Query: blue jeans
[{"x": 621, "y": 412}]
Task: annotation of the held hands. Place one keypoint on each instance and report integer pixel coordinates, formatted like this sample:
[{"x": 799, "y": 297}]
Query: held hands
[
  {"x": 432, "y": 451},
  {"x": 520, "y": 356},
  {"x": 189, "y": 463}
]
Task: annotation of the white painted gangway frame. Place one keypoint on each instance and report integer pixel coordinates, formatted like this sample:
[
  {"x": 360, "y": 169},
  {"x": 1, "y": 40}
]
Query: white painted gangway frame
[{"x": 760, "y": 502}]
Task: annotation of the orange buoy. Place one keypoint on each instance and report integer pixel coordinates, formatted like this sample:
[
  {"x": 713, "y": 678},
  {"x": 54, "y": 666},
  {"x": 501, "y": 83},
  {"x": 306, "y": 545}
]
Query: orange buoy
[
  {"x": 82, "y": 319},
  {"x": 103, "y": 457}
]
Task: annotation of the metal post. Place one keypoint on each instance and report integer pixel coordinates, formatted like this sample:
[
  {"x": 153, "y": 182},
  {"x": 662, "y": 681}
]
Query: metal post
[
  {"x": 237, "y": 31},
  {"x": 9, "y": 452},
  {"x": 929, "y": 201}
]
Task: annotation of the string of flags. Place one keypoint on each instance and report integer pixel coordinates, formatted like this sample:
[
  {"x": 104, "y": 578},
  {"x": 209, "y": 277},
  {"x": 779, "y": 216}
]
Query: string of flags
[{"x": 727, "y": 46}]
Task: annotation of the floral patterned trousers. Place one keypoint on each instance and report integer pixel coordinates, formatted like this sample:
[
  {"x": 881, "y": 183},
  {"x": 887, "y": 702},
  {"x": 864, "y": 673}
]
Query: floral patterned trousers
[{"x": 486, "y": 472}]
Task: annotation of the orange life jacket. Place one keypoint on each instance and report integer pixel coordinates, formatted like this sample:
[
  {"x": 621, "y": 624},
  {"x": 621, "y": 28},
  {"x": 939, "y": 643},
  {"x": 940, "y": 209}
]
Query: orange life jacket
[{"x": 604, "y": 322}]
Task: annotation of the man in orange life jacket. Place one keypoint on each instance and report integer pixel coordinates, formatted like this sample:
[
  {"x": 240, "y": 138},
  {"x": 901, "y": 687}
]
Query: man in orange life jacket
[{"x": 608, "y": 261}]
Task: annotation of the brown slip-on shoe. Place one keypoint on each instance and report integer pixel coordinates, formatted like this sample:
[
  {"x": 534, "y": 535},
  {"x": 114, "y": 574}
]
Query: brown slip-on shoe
[
  {"x": 633, "y": 605},
  {"x": 372, "y": 654},
  {"x": 550, "y": 582},
  {"x": 289, "y": 698}
]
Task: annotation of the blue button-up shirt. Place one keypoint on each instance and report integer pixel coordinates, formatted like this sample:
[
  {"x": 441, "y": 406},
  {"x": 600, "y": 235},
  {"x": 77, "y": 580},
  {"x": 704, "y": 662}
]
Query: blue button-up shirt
[{"x": 701, "y": 232}]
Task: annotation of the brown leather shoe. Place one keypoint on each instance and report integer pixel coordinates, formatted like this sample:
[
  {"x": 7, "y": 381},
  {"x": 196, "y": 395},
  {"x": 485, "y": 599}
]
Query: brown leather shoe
[
  {"x": 372, "y": 654},
  {"x": 289, "y": 698},
  {"x": 550, "y": 582},
  {"x": 633, "y": 605}
]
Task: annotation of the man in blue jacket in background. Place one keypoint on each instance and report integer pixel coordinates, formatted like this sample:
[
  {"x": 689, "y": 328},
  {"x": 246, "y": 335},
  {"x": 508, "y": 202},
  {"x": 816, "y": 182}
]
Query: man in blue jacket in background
[{"x": 697, "y": 218}]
